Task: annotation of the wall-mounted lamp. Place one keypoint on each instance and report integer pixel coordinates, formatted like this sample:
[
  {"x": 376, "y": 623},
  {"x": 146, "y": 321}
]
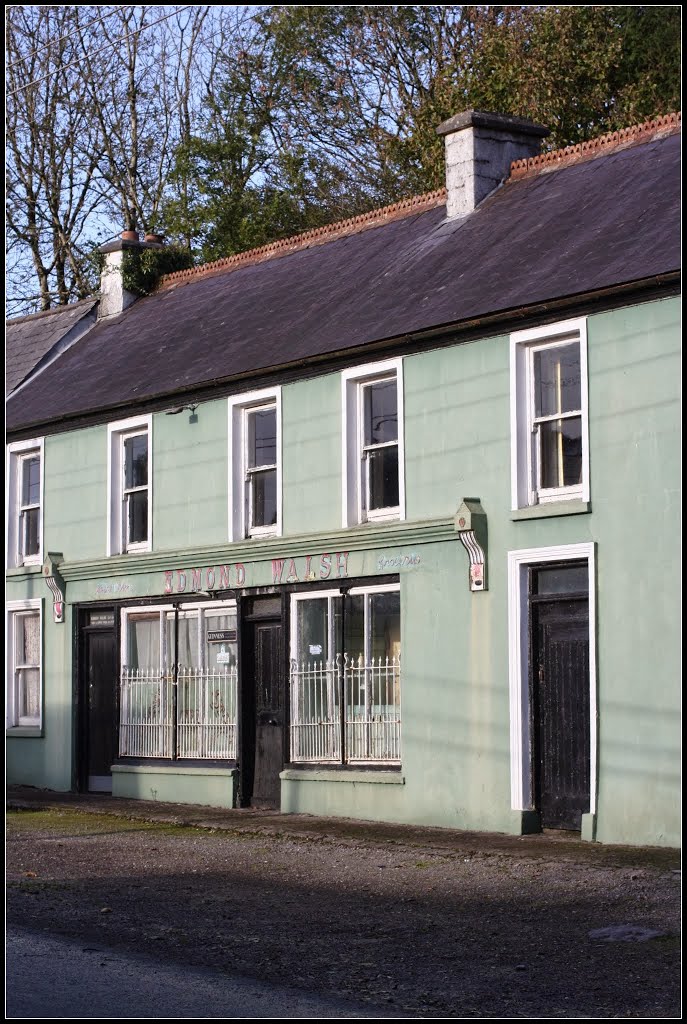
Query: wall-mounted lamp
[{"x": 182, "y": 408}]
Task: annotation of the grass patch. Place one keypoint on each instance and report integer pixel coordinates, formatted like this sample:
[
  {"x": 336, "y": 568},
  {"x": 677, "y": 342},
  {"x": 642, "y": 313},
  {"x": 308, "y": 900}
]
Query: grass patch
[{"x": 75, "y": 823}]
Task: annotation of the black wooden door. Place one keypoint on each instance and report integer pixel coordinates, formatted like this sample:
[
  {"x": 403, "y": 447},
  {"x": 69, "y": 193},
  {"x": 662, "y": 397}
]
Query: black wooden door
[
  {"x": 560, "y": 700},
  {"x": 101, "y": 708},
  {"x": 268, "y": 713}
]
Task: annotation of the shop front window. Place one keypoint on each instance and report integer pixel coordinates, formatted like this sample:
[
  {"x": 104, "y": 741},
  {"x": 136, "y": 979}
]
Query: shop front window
[
  {"x": 346, "y": 677},
  {"x": 178, "y": 687}
]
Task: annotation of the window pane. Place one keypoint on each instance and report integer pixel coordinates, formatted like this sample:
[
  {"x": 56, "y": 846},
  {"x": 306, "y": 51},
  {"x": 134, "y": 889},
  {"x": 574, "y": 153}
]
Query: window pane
[
  {"x": 262, "y": 438},
  {"x": 264, "y": 498},
  {"x": 29, "y": 693},
  {"x": 31, "y": 521},
  {"x": 143, "y": 638},
  {"x": 312, "y": 631},
  {"x": 385, "y": 625},
  {"x": 136, "y": 461},
  {"x": 354, "y": 625},
  {"x": 187, "y": 641},
  {"x": 28, "y": 640},
  {"x": 31, "y": 481},
  {"x": 563, "y": 579},
  {"x": 220, "y": 656},
  {"x": 381, "y": 412},
  {"x": 557, "y": 380},
  {"x": 137, "y": 503},
  {"x": 383, "y": 478},
  {"x": 561, "y": 452}
]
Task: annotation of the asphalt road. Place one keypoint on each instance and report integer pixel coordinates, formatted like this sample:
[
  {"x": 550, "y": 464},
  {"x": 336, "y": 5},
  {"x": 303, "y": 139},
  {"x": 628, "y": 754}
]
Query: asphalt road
[
  {"x": 52, "y": 978},
  {"x": 120, "y": 909}
]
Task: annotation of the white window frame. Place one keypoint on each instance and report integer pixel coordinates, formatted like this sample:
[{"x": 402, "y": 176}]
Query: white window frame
[
  {"x": 117, "y": 522},
  {"x": 18, "y": 452},
  {"x": 163, "y": 612},
  {"x": 239, "y": 484},
  {"x": 519, "y": 667},
  {"x": 354, "y": 479},
  {"x": 524, "y": 457},
  {"x": 12, "y": 718},
  {"x": 316, "y": 595}
]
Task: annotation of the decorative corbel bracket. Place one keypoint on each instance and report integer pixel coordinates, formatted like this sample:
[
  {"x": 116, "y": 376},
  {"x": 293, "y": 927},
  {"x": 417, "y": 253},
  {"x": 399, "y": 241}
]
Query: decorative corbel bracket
[
  {"x": 55, "y": 583},
  {"x": 471, "y": 525}
]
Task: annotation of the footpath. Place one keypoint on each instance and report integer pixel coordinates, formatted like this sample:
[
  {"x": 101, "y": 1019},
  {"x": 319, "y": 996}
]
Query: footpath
[{"x": 547, "y": 845}]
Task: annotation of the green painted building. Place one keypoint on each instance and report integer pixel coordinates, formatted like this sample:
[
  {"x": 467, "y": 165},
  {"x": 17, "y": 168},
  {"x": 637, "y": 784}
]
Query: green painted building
[{"x": 377, "y": 522}]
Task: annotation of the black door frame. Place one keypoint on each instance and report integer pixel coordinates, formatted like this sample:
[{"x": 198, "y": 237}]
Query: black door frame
[
  {"x": 80, "y": 686},
  {"x": 535, "y": 601},
  {"x": 249, "y": 613}
]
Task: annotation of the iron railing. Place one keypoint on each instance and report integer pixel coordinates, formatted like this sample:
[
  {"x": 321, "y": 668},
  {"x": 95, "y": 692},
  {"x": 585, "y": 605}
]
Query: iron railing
[
  {"x": 370, "y": 725},
  {"x": 187, "y": 713}
]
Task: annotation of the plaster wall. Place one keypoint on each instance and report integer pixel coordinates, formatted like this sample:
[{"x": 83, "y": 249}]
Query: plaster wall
[{"x": 456, "y": 740}]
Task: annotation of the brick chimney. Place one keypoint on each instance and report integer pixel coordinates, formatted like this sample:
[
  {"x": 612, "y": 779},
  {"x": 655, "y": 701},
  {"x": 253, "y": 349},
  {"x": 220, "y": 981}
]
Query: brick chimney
[
  {"x": 480, "y": 148},
  {"x": 114, "y": 297}
]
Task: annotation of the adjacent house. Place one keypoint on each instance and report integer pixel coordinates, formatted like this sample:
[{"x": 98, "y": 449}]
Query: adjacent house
[
  {"x": 378, "y": 521},
  {"x": 32, "y": 342}
]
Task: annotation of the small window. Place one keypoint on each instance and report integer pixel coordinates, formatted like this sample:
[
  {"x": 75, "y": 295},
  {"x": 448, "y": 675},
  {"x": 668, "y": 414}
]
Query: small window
[
  {"x": 25, "y": 491},
  {"x": 373, "y": 431},
  {"x": 261, "y": 469},
  {"x": 24, "y": 644},
  {"x": 549, "y": 414},
  {"x": 255, "y": 465},
  {"x": 129, "y": 527}
]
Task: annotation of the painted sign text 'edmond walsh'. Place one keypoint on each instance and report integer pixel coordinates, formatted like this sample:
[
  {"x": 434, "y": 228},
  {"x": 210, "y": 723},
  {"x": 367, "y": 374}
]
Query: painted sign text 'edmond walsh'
[{"x": 284, "y": 570}]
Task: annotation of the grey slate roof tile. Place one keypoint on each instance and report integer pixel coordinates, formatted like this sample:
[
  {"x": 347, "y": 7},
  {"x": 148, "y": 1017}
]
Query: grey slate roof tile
[
  {"x": 29, "y": 339},
  {"x": 564, "y": 232}
]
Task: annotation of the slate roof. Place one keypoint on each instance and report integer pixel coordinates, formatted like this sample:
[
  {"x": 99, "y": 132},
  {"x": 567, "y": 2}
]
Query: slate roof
[
  {"x": 30, "y": 339},
  {"x": 569, "y": 228}
]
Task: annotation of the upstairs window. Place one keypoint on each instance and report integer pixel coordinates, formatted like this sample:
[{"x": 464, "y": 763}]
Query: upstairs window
[
  {"x": 261, "y": 469},
  {"x": 373, "y": 485},
  {"x": 129, "y": 528},
  {"x": 549, "y": 414},
  {"x": 255, "y": 465},
  {"x": 25, "y": 493}
]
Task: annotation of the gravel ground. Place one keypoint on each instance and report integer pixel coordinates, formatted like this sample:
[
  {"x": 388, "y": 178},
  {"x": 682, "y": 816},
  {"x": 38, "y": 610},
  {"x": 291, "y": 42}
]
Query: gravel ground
[{"x": 428, "y": 931}]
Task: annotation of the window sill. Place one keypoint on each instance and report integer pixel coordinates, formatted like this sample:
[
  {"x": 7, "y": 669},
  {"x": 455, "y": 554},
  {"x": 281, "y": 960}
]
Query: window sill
[
  {"x": 373, "y": 776},
  {"x": 171, "y": 768},
  {"x": 131, "y": 553},
  {"x": 34, "y": 731},
  {"x": 28, "y": 569},
  {"x": 549, "y": 509}
]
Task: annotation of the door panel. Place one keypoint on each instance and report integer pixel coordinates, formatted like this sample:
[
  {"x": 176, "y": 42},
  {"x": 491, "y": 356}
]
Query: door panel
[
  {"x": 269, "y": 713},
  {"x": 561, "y": 712},
  {"x": 101, "y": 709}
]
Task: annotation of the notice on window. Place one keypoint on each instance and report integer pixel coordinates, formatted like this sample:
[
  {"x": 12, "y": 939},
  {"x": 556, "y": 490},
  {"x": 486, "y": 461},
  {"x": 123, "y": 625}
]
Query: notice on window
[
  {"x": 222, "y": 656},
  {"x": 221, "y": 636},
  {"x": 315, "y": 648}
]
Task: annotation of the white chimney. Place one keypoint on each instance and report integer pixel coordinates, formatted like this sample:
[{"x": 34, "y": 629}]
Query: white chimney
[
  {"x": 114, "y": 297},
  {"x": 480, "y": 148}
]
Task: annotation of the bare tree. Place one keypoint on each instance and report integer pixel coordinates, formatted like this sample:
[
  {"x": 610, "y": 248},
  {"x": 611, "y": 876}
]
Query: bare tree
[
  {"x": 52, "y": 156},
  {"x": 98, "y": 99}
]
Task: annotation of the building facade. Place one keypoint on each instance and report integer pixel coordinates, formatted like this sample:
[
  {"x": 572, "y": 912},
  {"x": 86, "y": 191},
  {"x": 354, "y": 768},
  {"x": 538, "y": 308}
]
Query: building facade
[{"x": 430, "y": 579}]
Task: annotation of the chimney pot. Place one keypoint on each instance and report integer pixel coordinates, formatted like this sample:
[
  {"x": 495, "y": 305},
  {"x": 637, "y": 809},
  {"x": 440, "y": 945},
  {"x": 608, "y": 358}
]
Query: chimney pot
[
  {"x": 480, "y": 147},
  {"x": 155, "y": 237},
  {"x": 130, "y": 236}
]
